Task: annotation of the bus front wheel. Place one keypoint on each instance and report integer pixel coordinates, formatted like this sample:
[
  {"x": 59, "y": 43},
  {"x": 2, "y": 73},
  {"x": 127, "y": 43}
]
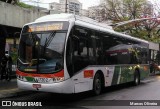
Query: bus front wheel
[
  {"x": 136, "y": 78},
  {"x": 97, "y": 84}
]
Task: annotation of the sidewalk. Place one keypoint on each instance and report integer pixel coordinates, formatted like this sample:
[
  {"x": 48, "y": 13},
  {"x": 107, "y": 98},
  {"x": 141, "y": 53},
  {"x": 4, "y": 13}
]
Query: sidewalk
[
  {"x": 10, "y": 89},
  {"x": 151, "y": 78}
]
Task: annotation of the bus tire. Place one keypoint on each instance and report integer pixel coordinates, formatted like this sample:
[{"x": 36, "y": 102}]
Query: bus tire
[
  {"x": 97, "y": 84},
  {"x": 136, "y": 78}
]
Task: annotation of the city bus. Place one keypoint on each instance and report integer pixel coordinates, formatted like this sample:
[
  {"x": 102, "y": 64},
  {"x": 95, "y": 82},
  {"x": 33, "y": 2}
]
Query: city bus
[{"x": 66, "y": 53}]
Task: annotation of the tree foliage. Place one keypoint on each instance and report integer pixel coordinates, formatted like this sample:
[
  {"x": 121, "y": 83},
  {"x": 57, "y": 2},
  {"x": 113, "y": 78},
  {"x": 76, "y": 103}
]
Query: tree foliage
[
  {"x": 146, "y": 29},
  {"x": 11, "y": 1},
  {"x": 21, "y": 4},
  {"x": 124, "y": 10},
  {"x": 156, "y": 4},
  {"x": 16, "y": 2}
]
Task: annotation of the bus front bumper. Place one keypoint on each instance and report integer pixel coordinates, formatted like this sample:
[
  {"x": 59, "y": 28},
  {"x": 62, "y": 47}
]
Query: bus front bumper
[{"x": 66, "y": 86}]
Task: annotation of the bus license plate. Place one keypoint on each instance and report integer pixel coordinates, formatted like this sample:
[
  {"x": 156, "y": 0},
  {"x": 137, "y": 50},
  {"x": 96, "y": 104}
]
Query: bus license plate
[{"x": 36, "y": 85}]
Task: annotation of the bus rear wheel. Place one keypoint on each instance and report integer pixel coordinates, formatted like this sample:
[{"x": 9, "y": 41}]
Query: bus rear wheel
[
  {"x": 97, "y": 84},
  {"x": 136, "y": 78}
]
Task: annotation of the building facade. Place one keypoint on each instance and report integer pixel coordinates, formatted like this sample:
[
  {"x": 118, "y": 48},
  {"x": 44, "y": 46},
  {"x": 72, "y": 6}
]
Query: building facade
[
  {"x": 98, "y": 12},
  {"x": 55, "y": 8},
  {"x": 66, "y": 6}
]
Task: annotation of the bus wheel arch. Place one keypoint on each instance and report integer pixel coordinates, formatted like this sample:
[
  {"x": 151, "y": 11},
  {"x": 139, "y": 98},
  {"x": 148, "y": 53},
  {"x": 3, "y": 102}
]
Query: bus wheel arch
[
  {"x": 136, "y": 77},
  {"x": 98, "y": 82}
]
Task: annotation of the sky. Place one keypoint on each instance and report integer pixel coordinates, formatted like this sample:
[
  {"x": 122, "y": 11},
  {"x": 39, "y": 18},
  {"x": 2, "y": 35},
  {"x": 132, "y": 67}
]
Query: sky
[{"x": 85, "y": 3}]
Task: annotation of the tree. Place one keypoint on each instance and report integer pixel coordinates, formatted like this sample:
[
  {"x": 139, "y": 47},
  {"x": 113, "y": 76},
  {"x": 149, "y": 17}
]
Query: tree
[
  {"x": 145, "y": 29},
  {"x": 3, "y": 0},
  {"x": 156, "y": 3},
  {"x": 124, "y": 10},
  {"x": 11, "y": 1}
]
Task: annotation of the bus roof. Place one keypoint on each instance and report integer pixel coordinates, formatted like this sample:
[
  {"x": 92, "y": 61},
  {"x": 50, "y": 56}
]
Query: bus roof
[
  {"x": 68, "y": 17},
  {"x": 53, "y": 17},
  {"x": 86, "y": 22}
]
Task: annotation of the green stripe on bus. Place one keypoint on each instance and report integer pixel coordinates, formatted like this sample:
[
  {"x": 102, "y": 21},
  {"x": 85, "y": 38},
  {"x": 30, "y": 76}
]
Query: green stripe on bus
[
  {"x": 29, "y": 79},
  {"x": 123, "y": 74},
  {"x": 115, "y": 75}
]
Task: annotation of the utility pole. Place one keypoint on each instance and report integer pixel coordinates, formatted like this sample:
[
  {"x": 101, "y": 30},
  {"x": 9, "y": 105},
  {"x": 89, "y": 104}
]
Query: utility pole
[
  {"x": 38, "y": 5},
  {"x": 66, "y": 6}
]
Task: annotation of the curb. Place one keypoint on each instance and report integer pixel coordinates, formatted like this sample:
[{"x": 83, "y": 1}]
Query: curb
[{"x": 151, "y": 78}]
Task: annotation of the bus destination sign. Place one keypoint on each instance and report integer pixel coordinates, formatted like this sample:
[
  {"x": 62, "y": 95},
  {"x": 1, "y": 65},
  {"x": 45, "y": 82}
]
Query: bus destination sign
[{"x": 45, "y": 27}]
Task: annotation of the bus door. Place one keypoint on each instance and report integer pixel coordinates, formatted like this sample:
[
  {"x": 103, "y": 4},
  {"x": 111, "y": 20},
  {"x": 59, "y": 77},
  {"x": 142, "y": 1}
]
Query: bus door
[{"x": 82, "y": 58}]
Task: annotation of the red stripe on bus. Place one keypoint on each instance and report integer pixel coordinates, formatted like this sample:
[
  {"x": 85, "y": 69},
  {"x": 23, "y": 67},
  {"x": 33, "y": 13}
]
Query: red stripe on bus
[{"x": 58, "y": 74}]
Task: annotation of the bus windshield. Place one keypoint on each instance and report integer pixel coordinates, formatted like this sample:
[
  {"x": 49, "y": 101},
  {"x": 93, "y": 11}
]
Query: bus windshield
[{"x": 41, "y": 52}]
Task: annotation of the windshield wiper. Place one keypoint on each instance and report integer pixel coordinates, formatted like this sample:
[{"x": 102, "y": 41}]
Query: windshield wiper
[
  {"x": 47, "y": 43},
  {"x": 49, "y": 39}
]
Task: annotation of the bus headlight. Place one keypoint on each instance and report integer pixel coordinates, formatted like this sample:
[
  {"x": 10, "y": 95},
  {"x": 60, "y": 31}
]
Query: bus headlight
[
  {"x": 58, "y": 79},
  {"x": 21, "y": 78}
]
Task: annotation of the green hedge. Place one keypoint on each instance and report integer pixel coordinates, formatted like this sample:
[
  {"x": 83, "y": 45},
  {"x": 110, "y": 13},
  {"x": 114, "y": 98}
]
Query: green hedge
[{"x": 21, "y": 4}]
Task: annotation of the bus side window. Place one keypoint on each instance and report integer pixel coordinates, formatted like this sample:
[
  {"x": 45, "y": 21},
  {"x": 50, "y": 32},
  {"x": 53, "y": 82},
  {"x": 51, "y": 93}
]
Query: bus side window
[
  {"x": 99, "y": 49},
  {"x": 82, "y": 48}
]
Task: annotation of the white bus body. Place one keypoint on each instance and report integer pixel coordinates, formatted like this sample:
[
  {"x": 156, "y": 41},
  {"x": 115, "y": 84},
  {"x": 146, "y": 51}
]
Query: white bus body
[{"x": 83, "y": 79}]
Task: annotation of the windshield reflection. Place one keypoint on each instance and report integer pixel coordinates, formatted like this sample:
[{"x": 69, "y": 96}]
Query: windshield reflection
[{"x": 41, "y": 52}]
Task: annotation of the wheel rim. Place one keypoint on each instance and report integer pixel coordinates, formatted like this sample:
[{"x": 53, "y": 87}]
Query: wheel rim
[
  {"x": 137, "y": 80},
  {"x": 97, "y": 85}
]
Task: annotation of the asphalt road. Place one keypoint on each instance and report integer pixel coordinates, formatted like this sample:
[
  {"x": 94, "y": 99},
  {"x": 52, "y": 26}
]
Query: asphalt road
[
  {"x": 5, "y": 85},
  {"x": 114, "y": 96}
]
